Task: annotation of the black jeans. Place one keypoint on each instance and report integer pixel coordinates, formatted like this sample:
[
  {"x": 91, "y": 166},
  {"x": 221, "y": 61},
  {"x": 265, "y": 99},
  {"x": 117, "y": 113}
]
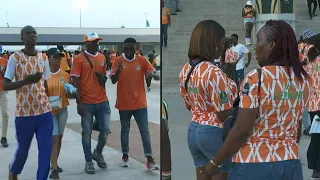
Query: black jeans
[
  {"x": 315, "y": 4},
  {"x": 148, "y": 81},
  {"x": 313, "y": 153}
]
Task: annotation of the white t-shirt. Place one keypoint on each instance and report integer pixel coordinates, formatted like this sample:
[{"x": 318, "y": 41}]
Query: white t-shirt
[{"x": 242, "y": 51}]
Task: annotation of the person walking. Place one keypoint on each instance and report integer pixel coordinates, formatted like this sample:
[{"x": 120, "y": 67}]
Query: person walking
[
  {"x": 165, "y": 23},
  {"x": 241, "y": 50},
  {"x": 313, "y": 12},
  {"x": 30, "y": 69},
  {"x": 248, "y": 13},
  {"x": 3, "y": 102},
  {"x": 89, "y": 77},
  {"x": 58, "y": 96},
  {"x": 129, "y": 73}
]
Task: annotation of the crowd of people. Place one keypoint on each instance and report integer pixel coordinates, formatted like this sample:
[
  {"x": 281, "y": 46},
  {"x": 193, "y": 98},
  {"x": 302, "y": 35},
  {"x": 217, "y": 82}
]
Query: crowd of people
[{"x": 45, "y": 81}]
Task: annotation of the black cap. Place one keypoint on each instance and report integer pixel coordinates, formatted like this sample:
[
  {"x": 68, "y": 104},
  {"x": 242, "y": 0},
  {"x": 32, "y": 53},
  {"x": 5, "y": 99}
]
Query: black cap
[{"x": 54, "y": 51}]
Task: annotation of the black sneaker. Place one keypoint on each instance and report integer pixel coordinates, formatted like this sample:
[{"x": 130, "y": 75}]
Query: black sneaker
[
  {"x": 178, "y": 10},
  {"x": 306, "y": 132},
  {"x": 4, "y": 142},
  {"x": 173, "y": 14},
  {"x": 98, "y": 157},
  {"x": 60, "y": 170},
  {"x": 54, "y": 174},
  {"x": 89, "y": 168},
  {"x": 315, "y": 175}
]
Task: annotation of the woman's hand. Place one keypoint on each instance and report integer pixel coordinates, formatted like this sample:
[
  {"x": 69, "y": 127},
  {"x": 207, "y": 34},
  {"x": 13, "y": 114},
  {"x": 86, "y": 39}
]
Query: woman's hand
[{"x": 210, "y": 169}]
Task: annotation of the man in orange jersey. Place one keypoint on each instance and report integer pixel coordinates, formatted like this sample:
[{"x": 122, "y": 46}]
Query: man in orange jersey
[
  {"x": 65, "y": 61},
  {"x": 92, "y": 99},
  {"x": 166, "y": 22},
  {"x": 30, "y": 69},
  {"x": 3, "y": 102},
  {"x": 129, "y": 71}
]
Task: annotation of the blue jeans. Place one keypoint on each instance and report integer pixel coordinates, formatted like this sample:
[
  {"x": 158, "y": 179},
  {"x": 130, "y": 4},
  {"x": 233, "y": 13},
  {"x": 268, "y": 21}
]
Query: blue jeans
[
  {"x": 281, "y": 170},
  {"x": 239, "y": 77},
  {"x": 164, "y": 34},
  {"x": 306, "y": 119},
  {"x": 59, "y": 122},
  {"x": 204, "y": 142},
  {"x": 102, "y": 114},
  {"x": 26, "y": 127},
  {"x": 141, "y": 117}
]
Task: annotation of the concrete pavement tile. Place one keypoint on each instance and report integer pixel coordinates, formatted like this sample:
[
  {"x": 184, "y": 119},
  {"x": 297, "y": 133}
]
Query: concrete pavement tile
[
  {"x": 72, "y": 161},
  {"x": 135, "y": 143}
]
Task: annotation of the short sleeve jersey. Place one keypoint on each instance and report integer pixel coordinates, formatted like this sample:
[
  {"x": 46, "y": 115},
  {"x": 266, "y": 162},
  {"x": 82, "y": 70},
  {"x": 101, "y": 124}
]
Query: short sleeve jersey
[
  {"x": 89, "y": 88},
  {"x": 56, "y": 84},
  {"x": 32, "y": 99},
  {"x": 313, "y": 69},
  {"x": 209, "y": 92},
  {"x": 3, "y": 66},
  {"x": 131, "y": 93},
  {"x": 281, "y": 100}
]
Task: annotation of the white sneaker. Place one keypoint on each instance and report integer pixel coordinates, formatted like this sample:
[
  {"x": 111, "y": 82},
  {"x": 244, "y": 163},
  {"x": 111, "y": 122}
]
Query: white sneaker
[{"x": 124, "y": 163}]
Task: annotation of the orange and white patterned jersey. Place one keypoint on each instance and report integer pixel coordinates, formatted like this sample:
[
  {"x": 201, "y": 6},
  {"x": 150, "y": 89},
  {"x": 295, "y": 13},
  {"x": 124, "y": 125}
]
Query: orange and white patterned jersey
[
  {"x": 281, "y": 102},
  {"x": 231, "y": 56},
  {"x": 32, "y": 99},
  {"x": 303, "y": 52},
  {"x": 208, "y": 92},
  {"x": 313, "y": 69}
]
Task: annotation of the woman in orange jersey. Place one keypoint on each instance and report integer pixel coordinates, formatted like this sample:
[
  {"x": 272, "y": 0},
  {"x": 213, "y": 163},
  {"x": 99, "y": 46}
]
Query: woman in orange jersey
[
  {"x": 55, "y": 87},
  {"x": 264, "y": 139},
  {"x": 313, "y": 68},
  {"x": 248, "y": 13},
  {"x": 206, "y": 92}
]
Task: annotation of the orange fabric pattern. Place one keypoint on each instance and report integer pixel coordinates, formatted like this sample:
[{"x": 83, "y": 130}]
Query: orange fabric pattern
[
  {"x": 89, "y": 88},
  {"x": 165, "y": 17},
  {"x": 281, "y": 102},
  {"x": 231, "y": 56},
  {"x": 64, "y": 62},
  {"x": 56, "y": 84},
  {"x": 3, "y": 66},
  {"x": 208, "y": 92},
  {"x": 131, "y": 93},
  {"x": 313, "y": 69},
  {"x": 32, "y": 99}
]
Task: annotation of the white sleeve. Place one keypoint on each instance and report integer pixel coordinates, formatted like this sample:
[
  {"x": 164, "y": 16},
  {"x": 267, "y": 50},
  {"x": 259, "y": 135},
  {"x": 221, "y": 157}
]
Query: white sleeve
[
  {"x": 46, "y": 70},
  {"x": 245, "y": 50},
  {"x": 11, "y": 68}
]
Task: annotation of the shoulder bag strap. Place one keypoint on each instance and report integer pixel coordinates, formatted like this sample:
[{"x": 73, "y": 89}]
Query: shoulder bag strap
[
  {"x": 193, "y": 65},
  {"x": 87, "y": 58}
]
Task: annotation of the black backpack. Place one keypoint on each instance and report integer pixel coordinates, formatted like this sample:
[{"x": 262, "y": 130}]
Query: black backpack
[{"x": 230, "y": 121}]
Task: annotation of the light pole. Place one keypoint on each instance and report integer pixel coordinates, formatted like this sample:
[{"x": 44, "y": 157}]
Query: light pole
[
  {"x": 7, "y": 19},
  {"x": 80, "y": 5},
  {"x": 146, "y": 19},
  {"x": 80, "y": 17}
]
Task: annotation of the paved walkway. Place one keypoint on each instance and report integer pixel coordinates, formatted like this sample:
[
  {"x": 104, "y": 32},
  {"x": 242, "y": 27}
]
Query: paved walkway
[{"x": 72, "y": 157}]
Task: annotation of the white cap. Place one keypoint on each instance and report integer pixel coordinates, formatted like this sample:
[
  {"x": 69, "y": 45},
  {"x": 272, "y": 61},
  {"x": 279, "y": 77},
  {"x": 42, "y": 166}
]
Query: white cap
[
  {"x": 91, "y": 36},
  {"x": 249, "y": 3}
]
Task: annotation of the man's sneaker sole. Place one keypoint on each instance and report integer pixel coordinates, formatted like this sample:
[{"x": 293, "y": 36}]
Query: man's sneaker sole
[
  {"x": 99, "y": 165},
  {"x": 89, "y": 172}
]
